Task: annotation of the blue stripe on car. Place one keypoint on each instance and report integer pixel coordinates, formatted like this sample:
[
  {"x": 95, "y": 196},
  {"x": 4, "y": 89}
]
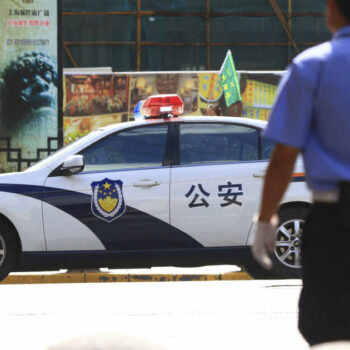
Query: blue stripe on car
[
  {"x": 299, "y": 179},
  {"x": 135, "y": 230}
]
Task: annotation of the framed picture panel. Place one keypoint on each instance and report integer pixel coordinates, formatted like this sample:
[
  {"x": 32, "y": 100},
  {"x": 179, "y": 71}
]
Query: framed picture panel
[{"x": 30, "y": 82}]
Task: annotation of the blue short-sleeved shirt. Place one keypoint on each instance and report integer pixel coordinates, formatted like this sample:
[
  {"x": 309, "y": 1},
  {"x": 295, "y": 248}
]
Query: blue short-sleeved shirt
[{"x": 312, "y": 111}]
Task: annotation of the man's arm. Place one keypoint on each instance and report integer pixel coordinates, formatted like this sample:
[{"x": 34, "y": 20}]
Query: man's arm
[
  {"x": 278, "y": 175},
  {"x": 277, "y": 178}
]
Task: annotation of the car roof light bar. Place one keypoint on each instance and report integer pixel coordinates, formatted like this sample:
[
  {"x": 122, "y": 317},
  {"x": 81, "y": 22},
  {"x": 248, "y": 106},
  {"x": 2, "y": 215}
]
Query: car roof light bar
[{"x": 163, "y": 106}]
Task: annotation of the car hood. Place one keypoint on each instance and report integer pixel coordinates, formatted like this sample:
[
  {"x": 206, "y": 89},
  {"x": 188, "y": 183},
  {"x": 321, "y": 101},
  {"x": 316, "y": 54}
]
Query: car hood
[{"x": 36, "y": 178}]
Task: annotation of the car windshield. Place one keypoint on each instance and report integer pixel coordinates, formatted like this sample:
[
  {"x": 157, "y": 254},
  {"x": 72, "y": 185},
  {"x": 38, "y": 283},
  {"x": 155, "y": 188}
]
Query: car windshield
[{"x": 64, "y": 150}]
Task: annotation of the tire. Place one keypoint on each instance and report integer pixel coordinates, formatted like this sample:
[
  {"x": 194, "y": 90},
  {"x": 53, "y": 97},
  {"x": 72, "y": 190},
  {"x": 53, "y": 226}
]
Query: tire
[
  {"x": 8, "y": 249},
  {"x": 286, "y": 257}
]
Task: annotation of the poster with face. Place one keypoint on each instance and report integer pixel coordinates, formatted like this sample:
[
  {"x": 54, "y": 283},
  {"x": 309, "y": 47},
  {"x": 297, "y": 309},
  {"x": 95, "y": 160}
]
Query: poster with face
[{"x": 29, "y": 80}]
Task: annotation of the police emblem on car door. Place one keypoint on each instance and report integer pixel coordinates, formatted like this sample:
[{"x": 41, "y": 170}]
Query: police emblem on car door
[
  {"x": 107, "y": 202},
  {"x": 132, "y": 217}
]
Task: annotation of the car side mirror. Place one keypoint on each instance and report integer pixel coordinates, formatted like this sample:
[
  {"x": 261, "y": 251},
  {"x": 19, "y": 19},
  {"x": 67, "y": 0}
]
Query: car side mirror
[{"x": 73, "y": 165}]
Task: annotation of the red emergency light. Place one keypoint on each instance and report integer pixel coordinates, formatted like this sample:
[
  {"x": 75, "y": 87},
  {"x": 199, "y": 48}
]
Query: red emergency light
[{"x": 163, "y": 105}]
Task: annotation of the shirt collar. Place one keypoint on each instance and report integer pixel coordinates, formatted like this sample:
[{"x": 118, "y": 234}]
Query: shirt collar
[{"x": 342, "y": 32}]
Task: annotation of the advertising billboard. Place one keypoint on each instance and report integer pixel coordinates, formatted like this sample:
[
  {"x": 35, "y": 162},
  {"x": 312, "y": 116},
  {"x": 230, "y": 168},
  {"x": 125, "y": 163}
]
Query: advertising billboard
[
  {"x": 96, "y": 100},
  {"x": 29, "y": 82}
]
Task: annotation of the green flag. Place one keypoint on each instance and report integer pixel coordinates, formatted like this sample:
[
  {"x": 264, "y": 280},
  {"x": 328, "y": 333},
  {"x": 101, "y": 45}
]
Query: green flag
[{"x": 229, "y": 81}]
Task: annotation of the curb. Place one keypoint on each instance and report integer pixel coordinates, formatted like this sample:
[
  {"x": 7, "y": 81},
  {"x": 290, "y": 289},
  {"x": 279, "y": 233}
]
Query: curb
[{"x": 91, "y": 277}]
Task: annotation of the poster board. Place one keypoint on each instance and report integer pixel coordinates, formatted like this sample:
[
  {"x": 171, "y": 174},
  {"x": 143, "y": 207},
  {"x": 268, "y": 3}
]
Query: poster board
[
  {"x": 30, "y": 82},
  {"x": 93, "y": 100}
]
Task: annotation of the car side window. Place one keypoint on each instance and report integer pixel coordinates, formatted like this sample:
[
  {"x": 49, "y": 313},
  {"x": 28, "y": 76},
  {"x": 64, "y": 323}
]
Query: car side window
[
  {"x": 141, "y": 147},
  {"x": 217, "y": 143},
  {"x": 267, "y": 147}
]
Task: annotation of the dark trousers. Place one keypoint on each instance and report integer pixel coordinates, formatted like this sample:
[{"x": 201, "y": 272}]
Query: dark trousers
[{"x": 324, "y": 305}]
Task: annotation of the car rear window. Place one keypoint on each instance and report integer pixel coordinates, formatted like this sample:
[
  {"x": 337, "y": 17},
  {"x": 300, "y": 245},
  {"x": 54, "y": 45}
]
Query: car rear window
[{"x": 217, "y": 143}]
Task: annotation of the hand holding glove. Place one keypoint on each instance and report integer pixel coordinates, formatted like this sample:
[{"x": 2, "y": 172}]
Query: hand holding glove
[{"x": 264, "y": 241}]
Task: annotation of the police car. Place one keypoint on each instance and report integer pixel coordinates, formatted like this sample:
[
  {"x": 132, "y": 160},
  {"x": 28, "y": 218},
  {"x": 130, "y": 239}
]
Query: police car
[{"x": 166, "y": 190}]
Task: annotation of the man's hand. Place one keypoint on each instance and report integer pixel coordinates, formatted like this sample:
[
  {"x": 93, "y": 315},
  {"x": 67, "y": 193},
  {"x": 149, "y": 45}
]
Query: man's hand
[
  {"x": 264, "y": 242},
  {"x": 277, "y": 177}
]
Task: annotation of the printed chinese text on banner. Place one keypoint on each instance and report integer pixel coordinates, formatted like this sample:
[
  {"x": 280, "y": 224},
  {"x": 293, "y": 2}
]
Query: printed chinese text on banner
[
  {"x": 30, "y": 80},
  {"x": 229, "y": 81}
]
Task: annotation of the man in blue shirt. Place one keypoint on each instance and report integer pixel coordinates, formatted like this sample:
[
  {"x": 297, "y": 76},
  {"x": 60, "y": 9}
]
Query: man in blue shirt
[{"x": 312, "y": 115}]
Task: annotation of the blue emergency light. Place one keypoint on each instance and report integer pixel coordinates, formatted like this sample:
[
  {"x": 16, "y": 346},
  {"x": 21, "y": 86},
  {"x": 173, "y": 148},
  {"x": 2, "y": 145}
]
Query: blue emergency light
[{"x": 138, "y": 110}]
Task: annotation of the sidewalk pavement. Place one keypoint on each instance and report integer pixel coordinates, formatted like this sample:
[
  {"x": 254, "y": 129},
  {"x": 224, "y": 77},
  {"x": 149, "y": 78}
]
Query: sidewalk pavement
[
  {"x": 337, "y": 345},
  {"x": 154, "y": 274}
]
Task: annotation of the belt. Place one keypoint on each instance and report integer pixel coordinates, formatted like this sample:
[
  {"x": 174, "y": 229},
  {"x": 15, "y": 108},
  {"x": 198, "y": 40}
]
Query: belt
[
  {"x": 329, "y": 196},
  {"x": 339, "y": 194}
]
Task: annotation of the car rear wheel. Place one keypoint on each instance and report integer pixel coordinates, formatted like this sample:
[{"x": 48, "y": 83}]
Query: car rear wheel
[
  {"x": 8, "y": 249},
  {"x": 286, "y": 257}
]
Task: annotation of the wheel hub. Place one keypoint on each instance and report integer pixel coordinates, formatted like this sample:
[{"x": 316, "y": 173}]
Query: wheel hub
[
  {"x": 288, "y": 242},
  {"x": 297, "y": 243}
]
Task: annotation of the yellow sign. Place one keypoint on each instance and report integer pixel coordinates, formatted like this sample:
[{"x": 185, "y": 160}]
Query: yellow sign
[
  {"x": 256, "y": 113},
  {"x": 259, "y": 95}
]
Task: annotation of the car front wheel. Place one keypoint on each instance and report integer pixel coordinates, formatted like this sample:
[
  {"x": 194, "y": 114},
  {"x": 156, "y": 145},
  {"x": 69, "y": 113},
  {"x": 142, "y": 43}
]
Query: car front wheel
[
  {"x": 286, "y": 258},
  {"x": 8, "y": 249}
]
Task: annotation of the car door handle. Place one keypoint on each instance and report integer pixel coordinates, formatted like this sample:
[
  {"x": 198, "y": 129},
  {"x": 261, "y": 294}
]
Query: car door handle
[
  {"x": 260, "y": 175},
  {"x": 145, "y": 183}
]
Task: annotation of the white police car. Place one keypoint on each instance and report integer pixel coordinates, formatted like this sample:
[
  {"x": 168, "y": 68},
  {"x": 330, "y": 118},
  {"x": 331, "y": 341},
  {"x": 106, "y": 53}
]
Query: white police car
[{"x": 176, "y": 191}]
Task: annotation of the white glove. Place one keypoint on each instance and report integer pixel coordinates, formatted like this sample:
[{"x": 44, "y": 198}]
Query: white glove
[{"x": 264, "y": 241}]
